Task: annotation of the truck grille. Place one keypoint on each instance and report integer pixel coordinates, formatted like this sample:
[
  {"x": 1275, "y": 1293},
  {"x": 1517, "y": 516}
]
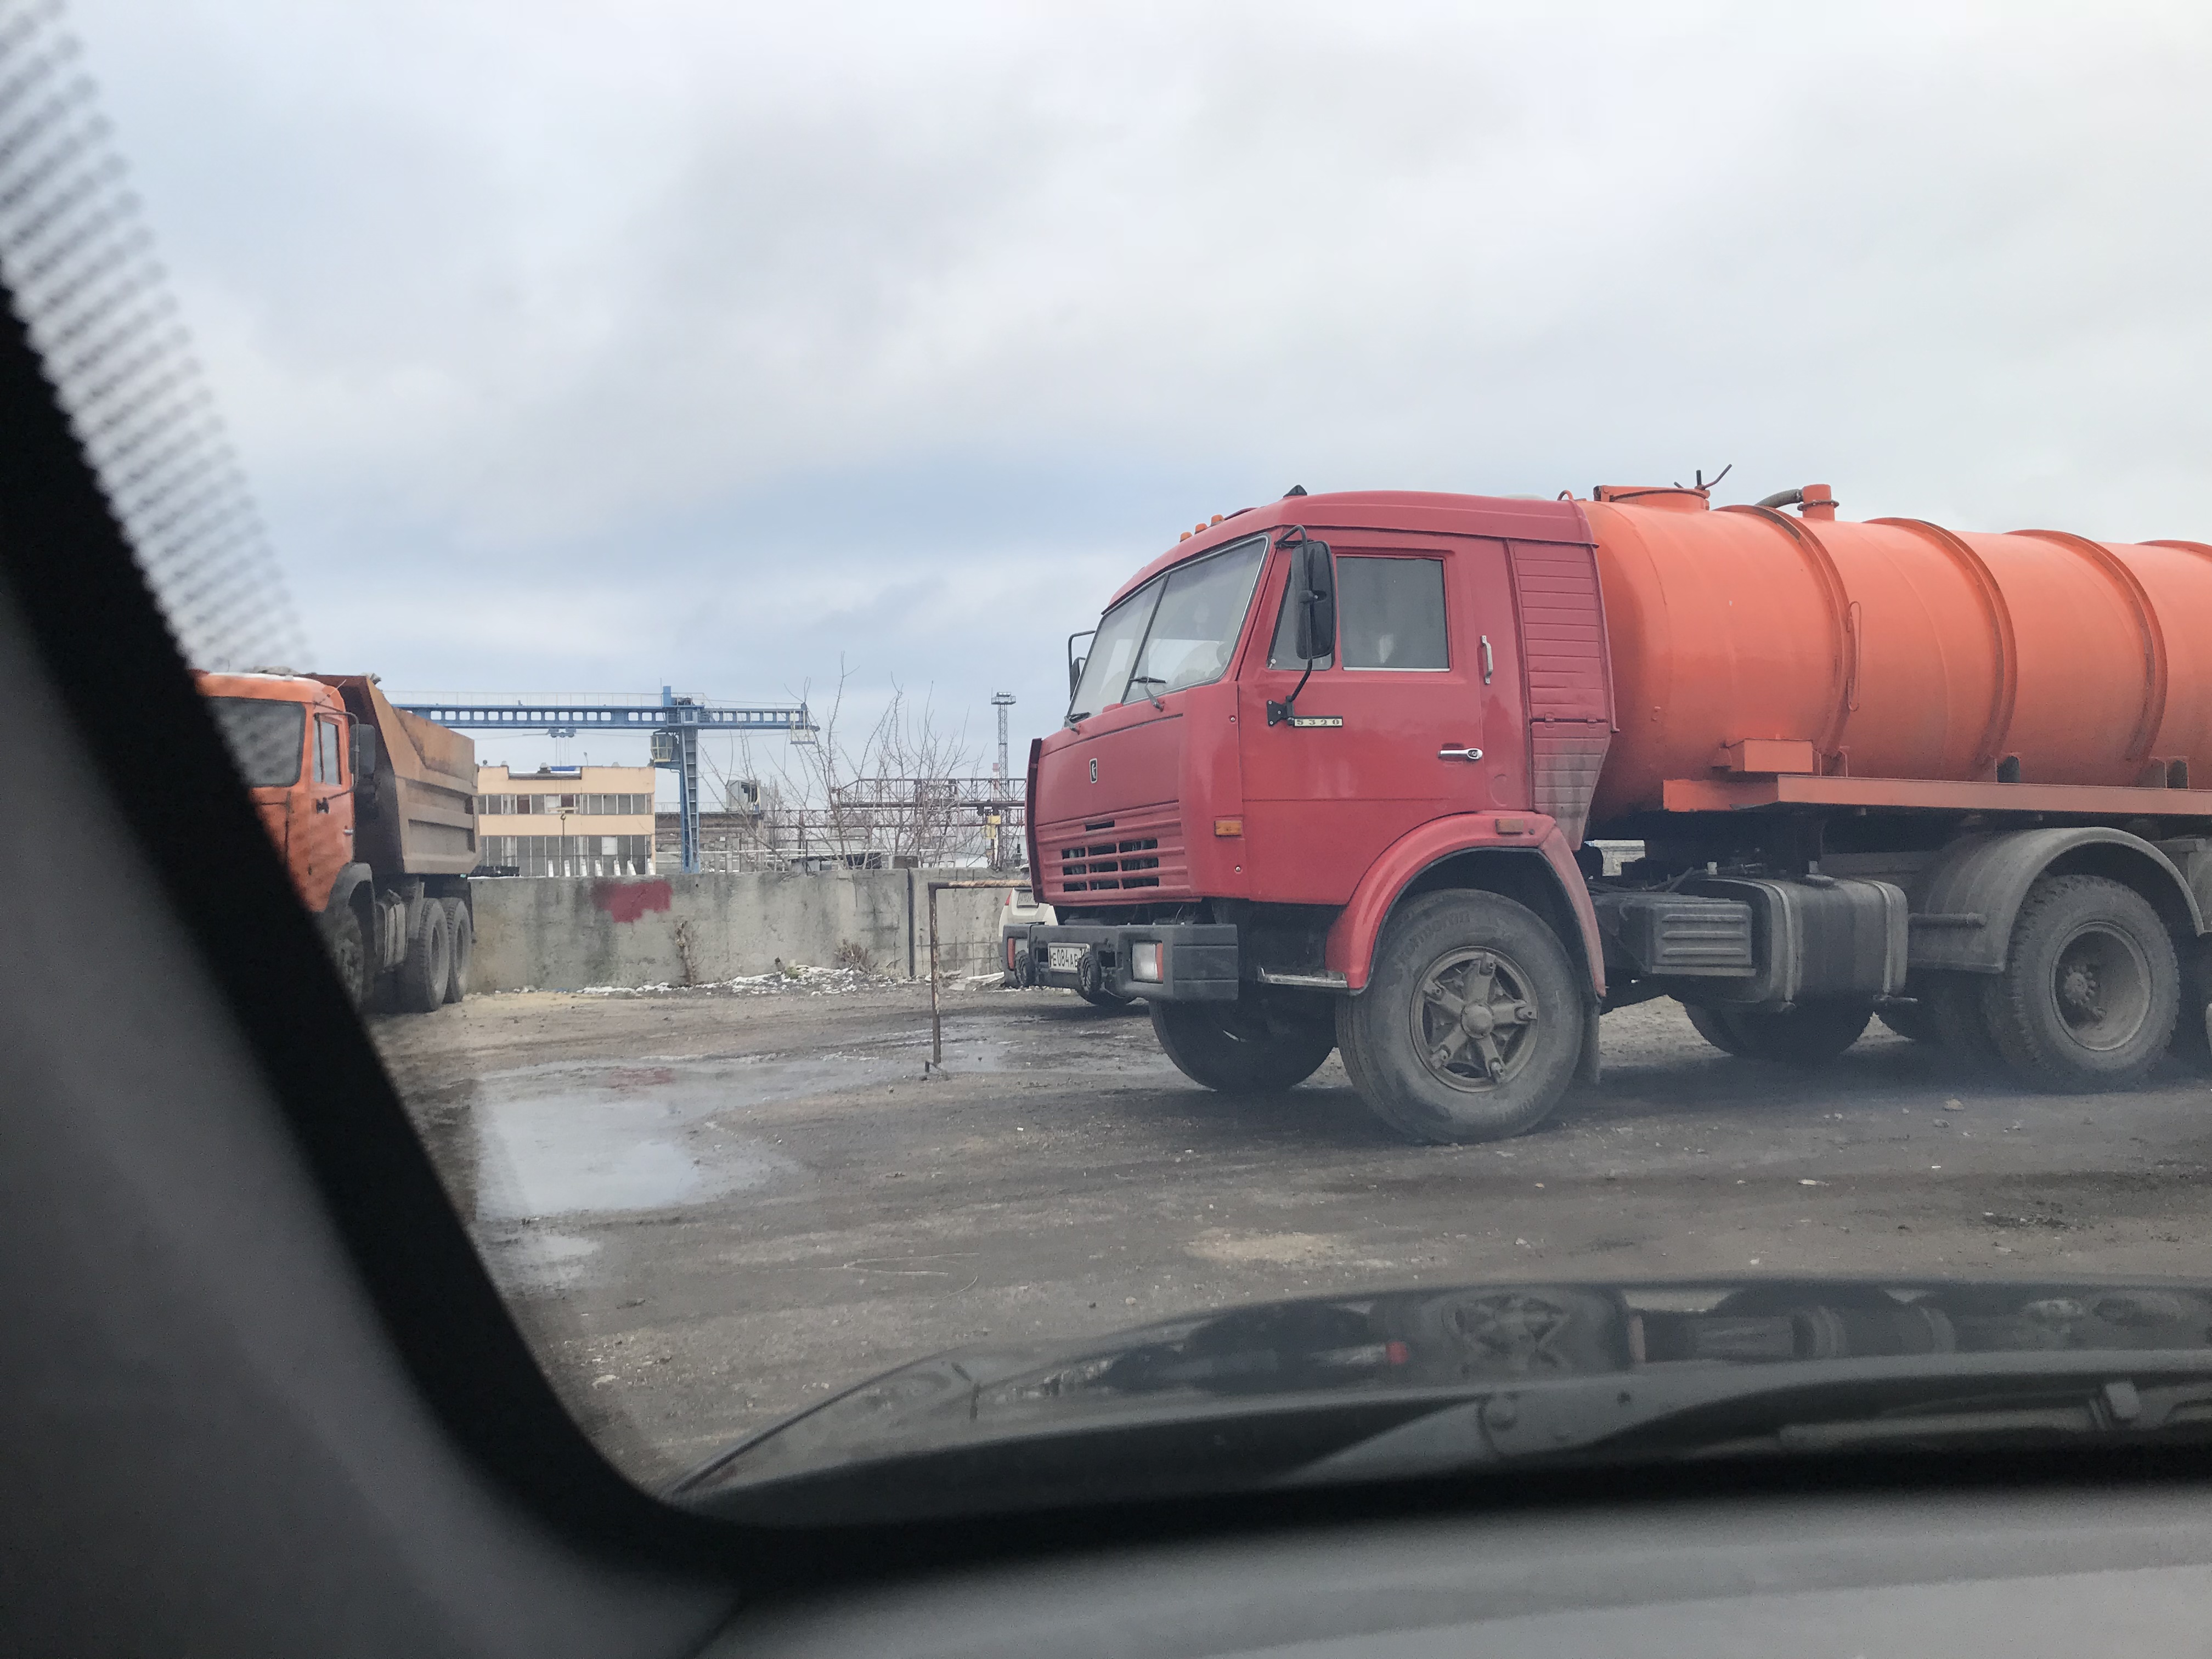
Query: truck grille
[{"x": 1138, "y": 853}]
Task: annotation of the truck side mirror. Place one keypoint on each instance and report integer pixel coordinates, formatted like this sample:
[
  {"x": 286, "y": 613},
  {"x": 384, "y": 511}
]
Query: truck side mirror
[
  {"x": 1075, "y": 664},
  {"x": 1314, "y": 577},
  {"x": 364, "y": 764}
]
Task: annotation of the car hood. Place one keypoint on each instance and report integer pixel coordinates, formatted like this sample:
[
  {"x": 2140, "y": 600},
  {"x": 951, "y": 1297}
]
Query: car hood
[{"x": 1419, "y": 1347}]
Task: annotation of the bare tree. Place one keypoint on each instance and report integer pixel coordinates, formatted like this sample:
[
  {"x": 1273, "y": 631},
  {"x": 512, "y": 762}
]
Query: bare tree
[{"x": 903, "y": 792}]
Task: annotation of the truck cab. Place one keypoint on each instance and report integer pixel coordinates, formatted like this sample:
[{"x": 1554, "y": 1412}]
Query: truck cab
[
  {"x": 298, "y": 754},
  {"x": 1281, "y": 723}
]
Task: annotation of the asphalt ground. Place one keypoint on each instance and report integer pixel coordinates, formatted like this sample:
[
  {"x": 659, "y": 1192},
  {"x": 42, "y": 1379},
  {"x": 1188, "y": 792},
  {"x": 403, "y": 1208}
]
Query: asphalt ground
[{"x": 711, "y": 1209}]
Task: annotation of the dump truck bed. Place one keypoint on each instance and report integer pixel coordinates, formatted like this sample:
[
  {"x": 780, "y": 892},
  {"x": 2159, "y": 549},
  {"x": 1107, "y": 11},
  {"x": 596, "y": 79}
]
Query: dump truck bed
[{"x": 423, "y": 820}]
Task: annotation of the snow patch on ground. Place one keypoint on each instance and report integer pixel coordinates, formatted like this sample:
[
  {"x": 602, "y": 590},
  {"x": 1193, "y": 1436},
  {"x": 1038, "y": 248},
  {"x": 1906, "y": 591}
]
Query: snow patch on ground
[{"x": 795, "y": 980}]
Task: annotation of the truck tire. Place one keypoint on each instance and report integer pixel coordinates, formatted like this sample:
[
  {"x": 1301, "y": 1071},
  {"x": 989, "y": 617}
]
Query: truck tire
[
  {"x": 1107, "y": 1000},
  {"x": 1810, "y": 1034},
  {"x": 426, "y": 970},
  {"x": 1472, "y": 1023},
  {"x": 1348, "y": 1047},
  {"x": 2090, "y": 990},
  {"x": 348, "y": 952},
  {"x": 1953, "y": 1002},
  {"x": 460, "y": 946},
  {"x": 1713, "y": 1025},
  {"x": 1235, "y": 1049},
  {"x": 2193, "y": 1029}
]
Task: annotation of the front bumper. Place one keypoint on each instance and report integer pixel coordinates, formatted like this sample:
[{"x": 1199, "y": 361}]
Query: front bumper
[{"x": 1198, "y": 961}]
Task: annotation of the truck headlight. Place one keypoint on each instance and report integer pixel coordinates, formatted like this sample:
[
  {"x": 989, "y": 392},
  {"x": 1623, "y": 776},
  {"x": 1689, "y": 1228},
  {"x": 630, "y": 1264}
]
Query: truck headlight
[{"x": 1148, "y": 962}]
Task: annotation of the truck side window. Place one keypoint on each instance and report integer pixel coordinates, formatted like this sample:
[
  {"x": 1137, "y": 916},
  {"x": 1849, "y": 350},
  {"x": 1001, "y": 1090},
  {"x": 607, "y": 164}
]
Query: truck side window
[
  {"x": 1390, "y": 613},
  {"x": 326, "y": 751},
  {"x": 1284, "y": 653}
]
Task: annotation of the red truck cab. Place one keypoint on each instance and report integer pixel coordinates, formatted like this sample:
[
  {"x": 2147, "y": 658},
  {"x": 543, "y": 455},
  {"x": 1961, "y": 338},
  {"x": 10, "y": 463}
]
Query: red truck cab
[{"x": 1222, "y": 825}]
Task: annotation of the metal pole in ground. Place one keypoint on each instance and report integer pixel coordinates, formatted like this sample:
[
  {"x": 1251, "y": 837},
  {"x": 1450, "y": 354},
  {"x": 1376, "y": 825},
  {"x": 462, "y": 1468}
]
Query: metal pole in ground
[{"x": 936, "y": 1019}]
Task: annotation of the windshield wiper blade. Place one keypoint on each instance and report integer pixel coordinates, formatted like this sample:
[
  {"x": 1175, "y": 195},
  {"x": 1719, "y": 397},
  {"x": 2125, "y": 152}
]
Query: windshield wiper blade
[{"x": 1806, "y": 1406}]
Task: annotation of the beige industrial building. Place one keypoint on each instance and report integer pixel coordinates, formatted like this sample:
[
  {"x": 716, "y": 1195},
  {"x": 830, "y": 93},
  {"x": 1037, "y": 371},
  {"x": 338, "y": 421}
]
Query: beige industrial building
[{"x": 565, "y": 821}]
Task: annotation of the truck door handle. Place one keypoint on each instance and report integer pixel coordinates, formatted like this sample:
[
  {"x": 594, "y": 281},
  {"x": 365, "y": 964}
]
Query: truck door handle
[
  {"x": 1486, "y": 663},
  {"x": 1459, "y": 754}
]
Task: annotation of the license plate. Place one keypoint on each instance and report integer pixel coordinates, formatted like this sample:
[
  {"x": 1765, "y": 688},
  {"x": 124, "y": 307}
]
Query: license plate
[{"x": 1063, "y": 958}]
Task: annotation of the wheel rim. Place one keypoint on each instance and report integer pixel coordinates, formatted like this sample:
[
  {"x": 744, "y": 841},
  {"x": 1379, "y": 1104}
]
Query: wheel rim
[
  {"x": 1475, "y": 1018},
  {"x": 2100, "y": 986}
]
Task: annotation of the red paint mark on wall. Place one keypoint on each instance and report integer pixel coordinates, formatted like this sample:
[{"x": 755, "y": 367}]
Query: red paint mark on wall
[{"x": 626, "y": 901}]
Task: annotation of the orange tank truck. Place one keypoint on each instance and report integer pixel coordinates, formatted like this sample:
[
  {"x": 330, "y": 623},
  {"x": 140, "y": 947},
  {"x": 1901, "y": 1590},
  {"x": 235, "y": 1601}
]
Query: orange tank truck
[
  {"x": 1332, "y": 769},
  {"x": 373, "y": 811}
]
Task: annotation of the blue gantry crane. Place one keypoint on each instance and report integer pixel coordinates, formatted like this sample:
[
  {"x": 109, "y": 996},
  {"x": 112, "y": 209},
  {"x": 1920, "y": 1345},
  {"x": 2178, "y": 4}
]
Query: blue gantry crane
[{"x": 674, "y": 724}]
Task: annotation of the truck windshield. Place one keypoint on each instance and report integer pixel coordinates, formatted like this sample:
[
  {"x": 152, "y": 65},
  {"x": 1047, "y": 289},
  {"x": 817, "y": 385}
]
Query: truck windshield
[
  {"x": 1174, "y": 632},
  {"x": 265, "y": 739},
  {"x": 1114, "y": 652}
]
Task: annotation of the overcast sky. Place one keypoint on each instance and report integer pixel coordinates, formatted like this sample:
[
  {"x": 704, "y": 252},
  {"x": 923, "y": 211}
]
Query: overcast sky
[{"x": 581, "y": 348}]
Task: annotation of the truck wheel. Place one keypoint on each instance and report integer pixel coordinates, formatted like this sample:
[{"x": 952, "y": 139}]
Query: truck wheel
[
  {"x": 2192, "y": 1031},
  {"x": 1914, "y": 1021},
  {"x": 1348, "y": 1047},
  {"x": 1953, "y": 1002},
  {"x": 348, "y": 952},
  {"x": 1472, "y": 1023},
  {"x": 1235, "y": 1049},
  {"x": 461, "y": 947},
  {"x": 427, "y": 967},
  {"x": 1105, "y": 998},
  {"x": 1713, "y": 1025},
  {"x": 1810, "y": 1034},
  {"x": 2091, "y": 991}
]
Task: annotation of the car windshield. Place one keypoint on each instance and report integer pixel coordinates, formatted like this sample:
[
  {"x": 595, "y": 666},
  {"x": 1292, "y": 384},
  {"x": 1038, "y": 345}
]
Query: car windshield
[
  {"x": 682, "y": 443},
  {"x": 265, "y": 739}
]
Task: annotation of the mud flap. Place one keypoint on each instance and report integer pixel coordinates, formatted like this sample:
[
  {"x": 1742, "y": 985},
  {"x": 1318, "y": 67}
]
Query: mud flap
[{"x": 1589, "y": 1066}]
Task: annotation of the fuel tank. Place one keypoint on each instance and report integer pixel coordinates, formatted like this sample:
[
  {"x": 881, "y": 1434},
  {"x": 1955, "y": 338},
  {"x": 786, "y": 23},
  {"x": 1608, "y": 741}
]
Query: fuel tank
[{"x": 1894, "y": 648}]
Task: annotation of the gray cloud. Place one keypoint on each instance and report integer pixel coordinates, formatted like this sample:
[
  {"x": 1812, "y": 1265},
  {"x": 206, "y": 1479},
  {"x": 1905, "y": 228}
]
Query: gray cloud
[{"x": 572, "y": 349}]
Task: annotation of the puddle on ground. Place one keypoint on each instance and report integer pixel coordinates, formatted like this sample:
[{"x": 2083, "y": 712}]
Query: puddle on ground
[{"x": 568, "y": 1139}]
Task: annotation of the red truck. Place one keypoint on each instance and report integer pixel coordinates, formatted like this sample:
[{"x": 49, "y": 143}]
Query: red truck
[
  {"x": 374, "y": 812},
  {"x": 1330, "y": 765}
]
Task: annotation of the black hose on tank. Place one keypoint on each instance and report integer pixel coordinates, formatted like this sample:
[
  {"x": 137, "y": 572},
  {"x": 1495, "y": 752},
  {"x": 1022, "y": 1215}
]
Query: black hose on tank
[{"x": 1784, "y": 498}]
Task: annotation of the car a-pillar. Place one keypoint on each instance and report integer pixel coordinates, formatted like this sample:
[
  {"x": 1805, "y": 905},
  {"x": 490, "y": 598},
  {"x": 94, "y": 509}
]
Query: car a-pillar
[{"x": 1479, "y": 1006}]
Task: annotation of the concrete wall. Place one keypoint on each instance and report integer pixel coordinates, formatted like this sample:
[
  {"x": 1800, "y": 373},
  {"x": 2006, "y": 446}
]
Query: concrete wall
[{"x": 561, "y": 934}]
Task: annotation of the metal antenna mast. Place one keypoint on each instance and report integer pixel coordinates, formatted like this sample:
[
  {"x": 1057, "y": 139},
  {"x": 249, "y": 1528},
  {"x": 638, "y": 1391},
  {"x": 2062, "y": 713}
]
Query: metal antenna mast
[
  {"x": 1002, "y": 701},
  {"x": 1001, "y": 783}
]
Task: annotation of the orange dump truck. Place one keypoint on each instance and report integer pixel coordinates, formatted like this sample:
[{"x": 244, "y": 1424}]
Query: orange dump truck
[
  {"x": 374, "y": 812},
  {"x": 1329, "y": 766}
]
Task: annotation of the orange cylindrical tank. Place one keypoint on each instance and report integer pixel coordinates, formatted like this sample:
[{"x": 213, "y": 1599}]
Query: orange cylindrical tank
[{"x": 1895, "y": 648}]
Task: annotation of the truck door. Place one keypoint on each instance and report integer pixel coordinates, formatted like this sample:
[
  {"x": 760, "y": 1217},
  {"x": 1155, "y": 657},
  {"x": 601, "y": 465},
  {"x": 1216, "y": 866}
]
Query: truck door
[
  {"x": 323, "y": 840},
  {"x": 1420, "y": 691}
]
